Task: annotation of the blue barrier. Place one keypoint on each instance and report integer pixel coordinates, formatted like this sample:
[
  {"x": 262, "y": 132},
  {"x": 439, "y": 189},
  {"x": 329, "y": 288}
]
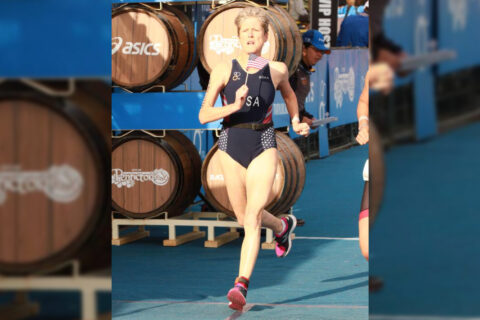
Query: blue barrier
[
  {"x": 423, "y": 89},
  {"x": 347, "y": 69},
  {"x": 412, "y": 27},
  {"x": 202, "y": 139},
  {"x": 458, "y": 27},
  {"x": 150, "y": 111},
  {"x": 55, "y": 39},
  {"x": 179, "y": 110}
]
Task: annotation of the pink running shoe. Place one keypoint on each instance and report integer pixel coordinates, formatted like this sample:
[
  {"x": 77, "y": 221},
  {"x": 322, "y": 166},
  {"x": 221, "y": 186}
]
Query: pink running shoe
[
  {"x": 237, "y": 297},
  {"x": 284, "y": 240}
]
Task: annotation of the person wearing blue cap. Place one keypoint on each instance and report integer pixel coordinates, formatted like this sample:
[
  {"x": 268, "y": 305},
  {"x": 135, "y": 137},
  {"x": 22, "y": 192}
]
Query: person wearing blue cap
[{"x": 313, "y": 50}]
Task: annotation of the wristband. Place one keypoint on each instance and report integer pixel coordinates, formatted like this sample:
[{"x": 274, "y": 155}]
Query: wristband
[
  {"x": 296, "y": 118},
  {"x": 362, "y": 118}
]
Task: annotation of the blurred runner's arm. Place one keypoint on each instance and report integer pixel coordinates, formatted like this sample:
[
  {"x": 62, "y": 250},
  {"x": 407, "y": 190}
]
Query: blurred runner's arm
[{"x": 362, "y": 113}]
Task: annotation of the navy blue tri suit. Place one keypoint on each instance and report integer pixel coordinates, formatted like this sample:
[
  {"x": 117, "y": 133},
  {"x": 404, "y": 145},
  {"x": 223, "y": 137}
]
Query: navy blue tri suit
[{"x": 239, "y": 141}]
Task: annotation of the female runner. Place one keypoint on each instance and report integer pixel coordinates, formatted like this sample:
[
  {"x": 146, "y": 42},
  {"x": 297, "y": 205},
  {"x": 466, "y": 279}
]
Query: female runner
[{"x": 247, "y": 145}]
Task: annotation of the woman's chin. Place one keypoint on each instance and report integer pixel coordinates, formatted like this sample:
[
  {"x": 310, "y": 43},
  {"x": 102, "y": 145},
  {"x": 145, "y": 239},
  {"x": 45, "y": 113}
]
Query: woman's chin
[{"x": 251, "y": 50}]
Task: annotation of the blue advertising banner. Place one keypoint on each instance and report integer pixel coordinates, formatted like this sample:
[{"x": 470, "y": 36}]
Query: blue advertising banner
[
  {"x": 149, "y": 111},
  {"x": 424, "y": 91},
  {"x": 202, "y": 139},
  {"x": 55, "y": 39},
  {"x": 347, "y": 69},
  {"x": 458, "y": 26},
  {"x": 399, "y": 26},
  {"x": 172, "y": 110}
]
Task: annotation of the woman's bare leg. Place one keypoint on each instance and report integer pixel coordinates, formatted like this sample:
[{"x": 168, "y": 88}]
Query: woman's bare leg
[{"x": 259, "y": 180}]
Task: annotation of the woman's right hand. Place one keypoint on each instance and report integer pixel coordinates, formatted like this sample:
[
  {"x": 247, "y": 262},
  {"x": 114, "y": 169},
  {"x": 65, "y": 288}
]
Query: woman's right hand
[{"x": 240, "y": 97}]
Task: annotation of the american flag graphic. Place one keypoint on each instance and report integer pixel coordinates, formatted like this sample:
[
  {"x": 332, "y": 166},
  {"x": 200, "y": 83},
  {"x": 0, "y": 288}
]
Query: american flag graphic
[{"x": 256, "y": 62}]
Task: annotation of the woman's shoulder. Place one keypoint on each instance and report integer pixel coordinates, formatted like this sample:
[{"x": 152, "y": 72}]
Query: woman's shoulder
[
  {"x": 222, "y": 70},
  {"x": 278, "y": 67},
  {"x": 223, "y": 66}
]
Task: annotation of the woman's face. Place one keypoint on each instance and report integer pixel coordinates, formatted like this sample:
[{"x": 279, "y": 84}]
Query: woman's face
[{"x": 252, "y": 36}]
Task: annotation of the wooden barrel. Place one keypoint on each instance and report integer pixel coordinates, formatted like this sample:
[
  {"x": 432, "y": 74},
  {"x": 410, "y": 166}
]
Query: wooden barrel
[
  {"x": 292, "y": 191},
  {"x": 53, "y": 186},
  {"x": 151, "y": 175},
  {"x": 287, "y": 186},
  {"x": 151, "y": 47},
  {"x": 218, "y": 38}
]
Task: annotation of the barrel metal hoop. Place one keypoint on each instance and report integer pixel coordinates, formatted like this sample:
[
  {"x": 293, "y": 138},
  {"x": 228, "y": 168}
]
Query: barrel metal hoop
[
  {"x": 155, "y": 86},
  {"x": 149, "y": 6},
  {"x": 124, "y": 89},
  {"x": 120, "y": 7},
  {"x": 123, "y": 135},
  {"x": 259, "y": 5},
  {"x": 49, "y": 91},
  {"x": 154, "y": 135},
  {"x": 222, "y": 3},
  {"x": 286, "y": 130},
  {"x": 164, "y": 213}
]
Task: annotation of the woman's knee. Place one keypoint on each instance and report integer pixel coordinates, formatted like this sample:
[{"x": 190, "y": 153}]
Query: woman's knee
[
  {"x": 364, "y": 250},
  {"x": 240, "y": 219},
  {"x": 252, "y": 219}
]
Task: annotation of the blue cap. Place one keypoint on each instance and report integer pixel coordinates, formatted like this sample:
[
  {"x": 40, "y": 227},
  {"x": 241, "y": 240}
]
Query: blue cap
[{"x": 315, "y": 38}]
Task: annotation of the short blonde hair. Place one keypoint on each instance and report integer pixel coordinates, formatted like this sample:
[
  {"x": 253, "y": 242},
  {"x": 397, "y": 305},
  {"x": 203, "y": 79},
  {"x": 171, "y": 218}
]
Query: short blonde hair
[{"x": 254, "y": 12}]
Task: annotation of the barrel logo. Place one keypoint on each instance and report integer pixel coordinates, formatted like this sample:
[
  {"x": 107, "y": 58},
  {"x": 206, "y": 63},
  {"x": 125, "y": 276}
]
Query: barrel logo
[
  {"x": 343, "y": 83},
  {"x": 135, "y": 48},
  {"x": 61, "y": 183},
  {"x": 120, "y": 178},
  {"x": 459, "y": 12},
  {"x": 219, "y": 44}
]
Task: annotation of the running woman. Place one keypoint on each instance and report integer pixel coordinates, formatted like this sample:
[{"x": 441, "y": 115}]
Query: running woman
[{"x": 247, "y": 144}]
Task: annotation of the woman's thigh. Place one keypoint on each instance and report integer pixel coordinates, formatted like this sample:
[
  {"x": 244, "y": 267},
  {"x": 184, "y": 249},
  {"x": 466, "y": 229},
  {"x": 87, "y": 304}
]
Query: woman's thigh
[
  {"x": 234, "y": 176},
  {"x": 260, "y": 177}
]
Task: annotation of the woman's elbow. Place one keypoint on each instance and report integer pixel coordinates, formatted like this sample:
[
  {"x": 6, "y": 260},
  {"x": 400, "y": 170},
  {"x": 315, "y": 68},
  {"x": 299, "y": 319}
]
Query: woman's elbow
[{"x": 201, "y": 118}]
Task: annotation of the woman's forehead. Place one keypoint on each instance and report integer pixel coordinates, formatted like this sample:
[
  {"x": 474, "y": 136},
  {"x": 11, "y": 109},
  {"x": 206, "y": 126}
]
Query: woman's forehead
[{"x": 251, "y": 21}]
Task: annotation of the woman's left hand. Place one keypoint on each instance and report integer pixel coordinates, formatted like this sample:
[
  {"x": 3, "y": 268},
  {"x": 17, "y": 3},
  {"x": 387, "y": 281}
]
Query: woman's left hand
[
  {"x": 301, "y": 128},
  {"x": 363, "y": 135}
]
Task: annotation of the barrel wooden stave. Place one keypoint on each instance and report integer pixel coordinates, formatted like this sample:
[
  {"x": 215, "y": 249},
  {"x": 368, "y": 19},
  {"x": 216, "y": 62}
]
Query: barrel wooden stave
[
  {"x": 137, "y": 25},
  {"x": 40, "y": 227},
  {"x": 172, "y": 29},
  {"x": 299, "y": 173},
  {"x": 186, "y": 61},
  {"x": 144, "y": 199},
  {"x": 174, "y": 153},
  {"x": 191, "y": 164}
]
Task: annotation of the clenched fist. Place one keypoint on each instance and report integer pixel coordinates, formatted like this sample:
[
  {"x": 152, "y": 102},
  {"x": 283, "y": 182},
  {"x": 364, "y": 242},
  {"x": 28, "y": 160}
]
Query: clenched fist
[
  {"x": 240, "y": 97},
  {"x": 301, "y": 128}
]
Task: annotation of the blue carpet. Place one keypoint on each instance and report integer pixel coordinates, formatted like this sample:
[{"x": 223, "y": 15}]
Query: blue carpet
[
  {"x": 320, "y": 279},
  {"x": 425, "y": 240}
]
